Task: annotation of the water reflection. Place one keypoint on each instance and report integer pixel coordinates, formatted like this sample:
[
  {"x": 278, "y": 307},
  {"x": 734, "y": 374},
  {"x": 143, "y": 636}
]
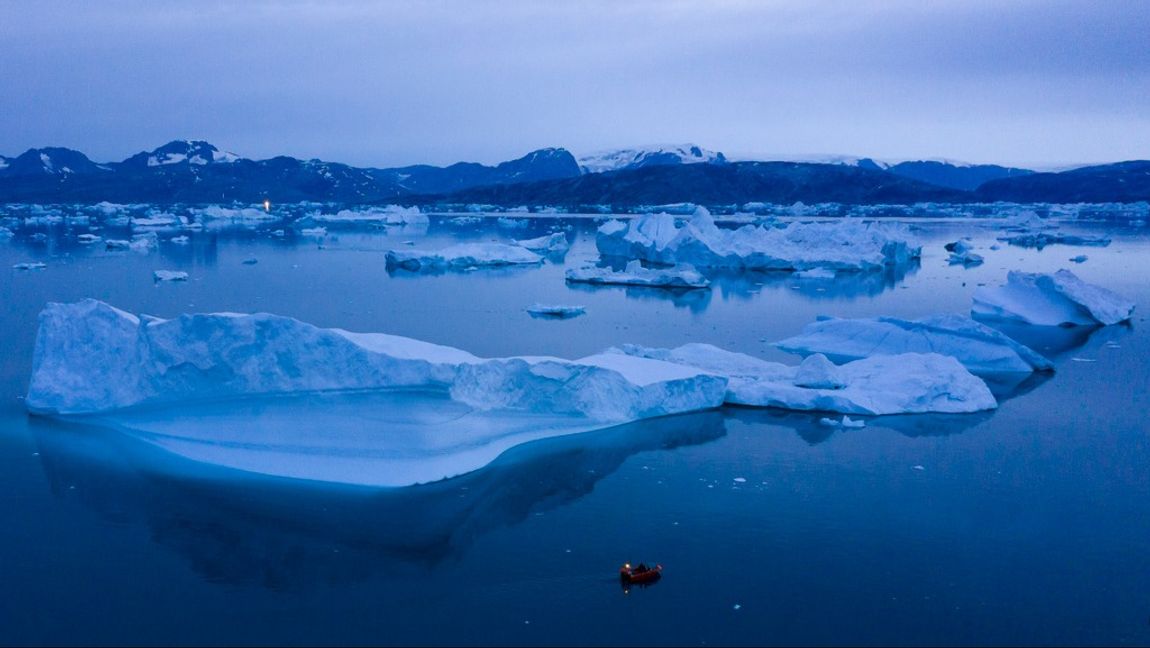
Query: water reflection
[
  {"x": 284, "y": 534},
  {"x": 694, "y": 300},
  {"x": 842, "y": 286},
  {"x": 808, "y": 426}
]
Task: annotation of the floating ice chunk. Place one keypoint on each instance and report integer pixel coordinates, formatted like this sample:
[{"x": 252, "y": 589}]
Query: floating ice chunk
[
  {"x": 116, "y": 244},
  {"x": 460, "y": 256},
  {"x": 88, "y": 239},
  {"x": 463, "y": 221},
  {"x": 6, "y": 233},
  {"x": 636, "y": 275},
  {"x": 512, "y": 223},
  {"x": 170, "y": 275},
  {"x": 156, "y": 222},
  {"x": 1060, "y": 299},
  {"x": 314, "y": 231},
  {"x": 550, "y": 243},
  {"x": 90, "y": 357},
  {"x": 907, "y": 383},
  {"x": 34, "y": 265},
  {"x": 250, "y": 261},
  {"x": 962, "y": 253},
  {"x": 979, "y": 348},
  {"x": 1040, "y": 240},
  {"x": 144, "y": 242},
  {"x": 390, "y": 215},
  {"x": 560, "y": 311},
  {"x": 843, "y": 245},
  {"x": 1081, "y": 258}
]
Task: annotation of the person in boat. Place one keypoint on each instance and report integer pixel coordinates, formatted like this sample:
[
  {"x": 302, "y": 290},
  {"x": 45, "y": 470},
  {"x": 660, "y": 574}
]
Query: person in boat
[{"x": 641, "y": 568}]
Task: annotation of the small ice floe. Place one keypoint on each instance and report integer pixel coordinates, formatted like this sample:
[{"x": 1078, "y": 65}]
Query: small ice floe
[
  {"x": 6, "y": 233},
  {"x": 980, "y": 348},
  {"x": 35, "y": 265},
  {"x": 314, "y": 231},
  {"x": 180, "y": 240},
  {"x": 116, "y": 244},
  {"x": 1081, "y": 258},
  {"x": 250, "y": 261},
  {"x": 962, "y": 253},
  {"x": 1078, "y": 359},
  {"x": 740, "y": 480},
  {"x": 636, "y": 275},
  {"x": 463, "y": 221},
  {"x": 1059, "y": 299},
  {"x": 556, "y": 311},
  {"x": 512, "y": 223},
  {"x": 1040, "y": 240},
  {"x": 549, "y": 244},
  {"x": 279, "y": 233},
  {"x": 169, "y": 275},
  {"x": 462, "y": 256},
  {"x": 390, "y": 215},
  {"x": 38, "y": 237},
  {"x": 918, "y": 467},
  {"x": 87, "y": 239}
]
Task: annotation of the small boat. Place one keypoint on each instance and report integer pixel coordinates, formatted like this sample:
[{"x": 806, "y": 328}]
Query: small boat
[{"x": 640, "y": 574}]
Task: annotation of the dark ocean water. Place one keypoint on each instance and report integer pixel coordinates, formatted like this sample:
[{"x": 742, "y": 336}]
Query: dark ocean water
[{"x": 1029, "y": 524}]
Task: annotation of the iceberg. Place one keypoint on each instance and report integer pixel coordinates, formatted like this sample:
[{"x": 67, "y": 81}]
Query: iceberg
[
  {"x": 462, "y": 255},
  {"x": 845, "y": 245},
  {"x": 559, "y": 311},
  {"x": 979, "y": 348},
  {"x": 90, "y": 357},
  {"x": 906, "y": 383},
  {"x": 1059, "y": 299},
  {"x": 1040, "y": 240},
  {"x": 962, "y": 253},
  {"x": 390, "y": 215},
  {"x": 170, "y": 275},
  {"x": 549, "y": 244},
  {"x": 636, "y": 275},
  {"x": 87, "y": 239},
  {"x": 314, "y": 231}
]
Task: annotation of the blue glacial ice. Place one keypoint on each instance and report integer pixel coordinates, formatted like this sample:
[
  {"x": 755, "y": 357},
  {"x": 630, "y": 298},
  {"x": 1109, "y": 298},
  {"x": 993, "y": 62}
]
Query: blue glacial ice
[
  {"x": 462, "y": 256},
  {"x": 1059, "y": 299}
]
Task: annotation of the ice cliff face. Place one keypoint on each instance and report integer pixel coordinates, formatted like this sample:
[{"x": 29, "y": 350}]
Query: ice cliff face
[{"x": 846, "y": 245}]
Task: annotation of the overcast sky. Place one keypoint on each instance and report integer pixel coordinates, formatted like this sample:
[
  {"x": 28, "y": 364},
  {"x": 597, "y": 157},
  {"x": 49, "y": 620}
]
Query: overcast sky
[{"x": 384, "y": 84}]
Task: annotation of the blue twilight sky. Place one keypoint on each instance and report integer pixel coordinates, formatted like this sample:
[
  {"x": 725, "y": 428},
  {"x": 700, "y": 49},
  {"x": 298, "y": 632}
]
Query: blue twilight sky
[{"x": 388, "y": 83}]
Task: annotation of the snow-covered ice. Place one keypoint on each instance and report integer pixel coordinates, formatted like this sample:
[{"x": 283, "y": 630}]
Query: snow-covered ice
[
  {"x": 462, "y": 255},
  {"x": 1059, "y": 299},
  {"x": 90, "y": 357},
  {"x": 548, "y": 244},
  {"x": 907, "y": 383},
  {"x": 559, "y": 311},
  {"x": 981, "y": 349},
  {"x": 845, "y": 245},
  {"x": 636, "y": 275},
  {"x": 170, "y": 275}
]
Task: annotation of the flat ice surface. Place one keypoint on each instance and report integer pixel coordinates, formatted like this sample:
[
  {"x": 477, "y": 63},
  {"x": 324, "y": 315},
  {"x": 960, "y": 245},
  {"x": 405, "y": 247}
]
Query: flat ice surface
[
  {"x": 562, "y": 311},
  {"x": 844, "y": 245},
  {"x": 636, "y": 275},
  {"x": 170, "y": 275},
  {"x": 369, "y": 439},
  {"x": 979, "y": 348},
  {"x": 1059, "y": 299},
  {"x": 390, "y": 215},
  {"x": 907, "y": 383},
  {"x": 463, "y": 255}
]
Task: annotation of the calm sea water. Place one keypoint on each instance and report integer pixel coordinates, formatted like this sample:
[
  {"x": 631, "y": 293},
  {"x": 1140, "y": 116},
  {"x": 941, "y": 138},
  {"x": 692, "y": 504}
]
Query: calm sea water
[{"x": 1027, "y": 525}]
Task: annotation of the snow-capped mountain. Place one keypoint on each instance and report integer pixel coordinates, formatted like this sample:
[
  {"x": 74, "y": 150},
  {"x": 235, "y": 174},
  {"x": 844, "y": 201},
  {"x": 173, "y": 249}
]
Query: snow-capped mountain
[
  {"x": 50, "y": 161},
  {"x": 636, "y": 158},
  {"x": 196, "y": 152}
]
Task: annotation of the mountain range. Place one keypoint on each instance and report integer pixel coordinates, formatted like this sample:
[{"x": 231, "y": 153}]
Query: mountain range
[{"x": 192, "y": 171}]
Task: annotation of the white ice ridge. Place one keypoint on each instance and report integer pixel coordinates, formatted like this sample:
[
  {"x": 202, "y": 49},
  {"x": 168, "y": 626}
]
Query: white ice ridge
[
  {"x": 90, "y": 357},
  {"x": 907, "y": 383},
  {"x": 547, "y": 244},
  {"x": 979, "y": 348},
  {"x": 843, "y": 245},
  {"x": 1059, "y": 299},
  {"x": 636, "y": 275},
  {"x": 462, "y": 255}
]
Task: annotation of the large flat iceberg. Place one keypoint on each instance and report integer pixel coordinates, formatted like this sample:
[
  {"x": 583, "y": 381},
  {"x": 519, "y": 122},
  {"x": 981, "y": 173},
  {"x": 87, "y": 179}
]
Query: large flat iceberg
[
  {"x": 907, "y": 383},
  {"x": 1059, "y": 299},
  {"x": 979, "y": 348},
  {"x": 844, "y": 245},
  {"x": 91, "y": 357},
  {"x": 461, "y": 256}
]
